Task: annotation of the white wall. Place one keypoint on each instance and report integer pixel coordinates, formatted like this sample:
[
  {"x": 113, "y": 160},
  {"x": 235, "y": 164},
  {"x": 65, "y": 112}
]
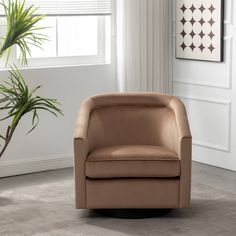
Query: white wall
[
  {"x": 209, "y": 91},
  {"x": 50, "y": 145}
]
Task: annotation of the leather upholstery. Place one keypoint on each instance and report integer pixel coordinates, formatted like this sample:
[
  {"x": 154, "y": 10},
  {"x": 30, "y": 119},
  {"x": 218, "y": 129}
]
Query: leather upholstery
[
  {"x": 132, "y": 161},
  {"x": 129, "y": 144}
]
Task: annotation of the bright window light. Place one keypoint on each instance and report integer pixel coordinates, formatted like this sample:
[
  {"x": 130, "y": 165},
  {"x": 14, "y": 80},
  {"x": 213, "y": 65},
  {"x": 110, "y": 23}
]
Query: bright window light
[
  {"x": 78, "y": 36},
  {"x": 79, "y": 32}
]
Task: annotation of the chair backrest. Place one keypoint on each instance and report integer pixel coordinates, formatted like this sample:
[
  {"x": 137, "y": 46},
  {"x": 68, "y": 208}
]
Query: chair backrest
[{"x": 131, "y": 119}]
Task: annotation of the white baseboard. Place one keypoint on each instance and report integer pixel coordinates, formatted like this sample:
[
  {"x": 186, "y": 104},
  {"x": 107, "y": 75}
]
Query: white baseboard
[{"x": 12, "y": 168}]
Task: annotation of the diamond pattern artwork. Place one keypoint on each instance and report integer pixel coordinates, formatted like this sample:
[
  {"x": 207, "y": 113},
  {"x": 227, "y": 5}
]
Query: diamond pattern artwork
[{"x": 199, "y": 29}]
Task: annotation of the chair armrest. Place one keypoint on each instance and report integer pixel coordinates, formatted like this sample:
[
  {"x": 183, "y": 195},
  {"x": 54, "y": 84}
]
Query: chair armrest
[
  {"x": 184, "y": 151},
  {"x": 83, "y": 119},
  {"x": 181, "y": 118},
  {"x": 80, "y": 155},
  {"x": 184, "y": 134},
  {"x": 175, "y": 127},
  {"x": 81, "y": 143}
]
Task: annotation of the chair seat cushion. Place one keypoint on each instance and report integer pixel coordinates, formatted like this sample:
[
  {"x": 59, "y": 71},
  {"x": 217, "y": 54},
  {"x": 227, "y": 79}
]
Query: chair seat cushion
[{"x": 135, "y": 161}]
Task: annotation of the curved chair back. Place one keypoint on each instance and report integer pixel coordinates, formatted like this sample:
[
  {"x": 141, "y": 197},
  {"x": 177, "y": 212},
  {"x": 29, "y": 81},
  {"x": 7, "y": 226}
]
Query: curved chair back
[{"x": 127, "y": 119}]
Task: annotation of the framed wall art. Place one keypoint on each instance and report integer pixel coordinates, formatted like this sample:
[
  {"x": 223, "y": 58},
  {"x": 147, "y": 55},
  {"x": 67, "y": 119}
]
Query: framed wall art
[{"x": 199, "y": 29}]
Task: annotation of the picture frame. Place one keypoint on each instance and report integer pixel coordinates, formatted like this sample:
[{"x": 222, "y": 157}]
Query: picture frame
[{"x": 199, "y": 30}]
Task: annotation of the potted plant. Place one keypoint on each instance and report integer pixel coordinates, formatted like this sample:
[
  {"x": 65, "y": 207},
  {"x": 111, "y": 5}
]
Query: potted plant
[{"x": 16, "y": 98}]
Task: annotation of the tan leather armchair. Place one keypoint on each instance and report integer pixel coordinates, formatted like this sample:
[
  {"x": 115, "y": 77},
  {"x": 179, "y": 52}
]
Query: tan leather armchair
[{"x": 132, "y": 150}]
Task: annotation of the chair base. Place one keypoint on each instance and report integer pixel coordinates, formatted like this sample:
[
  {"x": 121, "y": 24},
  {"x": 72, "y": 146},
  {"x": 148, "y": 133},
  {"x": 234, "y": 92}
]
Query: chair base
[{"x": 133, "y": 213}]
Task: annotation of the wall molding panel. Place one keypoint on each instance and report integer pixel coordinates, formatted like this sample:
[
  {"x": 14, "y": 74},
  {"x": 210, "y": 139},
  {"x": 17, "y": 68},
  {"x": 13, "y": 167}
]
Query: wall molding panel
[
  {"x": 229, "y": 9},
  {"x": 226, "y": 103}
]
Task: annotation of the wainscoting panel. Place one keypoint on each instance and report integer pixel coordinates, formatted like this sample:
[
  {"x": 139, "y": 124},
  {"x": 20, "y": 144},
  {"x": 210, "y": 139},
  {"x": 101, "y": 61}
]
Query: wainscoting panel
[{"x": 210, "y": 122}]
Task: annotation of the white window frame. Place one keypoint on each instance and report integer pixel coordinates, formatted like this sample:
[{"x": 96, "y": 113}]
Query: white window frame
[
  {"x": 76, "y": 60},
  {"x": 43, "y": 62},
  {"x": 99, "y": 58}
]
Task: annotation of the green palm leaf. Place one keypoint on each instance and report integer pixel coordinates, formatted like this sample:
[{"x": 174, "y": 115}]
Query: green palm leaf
[
  {"x": 22, "y": 29},
  {"x": 18, "y": 100}
]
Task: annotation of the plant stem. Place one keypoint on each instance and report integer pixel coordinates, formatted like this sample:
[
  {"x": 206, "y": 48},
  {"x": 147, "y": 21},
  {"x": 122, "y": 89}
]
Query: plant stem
[
  {"x": 8, "y": 140},
  {"x": 13, "y": 126}
]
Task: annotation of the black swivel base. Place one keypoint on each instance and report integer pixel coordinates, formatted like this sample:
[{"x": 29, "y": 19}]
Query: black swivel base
[{"x": 133, "y": 213}]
